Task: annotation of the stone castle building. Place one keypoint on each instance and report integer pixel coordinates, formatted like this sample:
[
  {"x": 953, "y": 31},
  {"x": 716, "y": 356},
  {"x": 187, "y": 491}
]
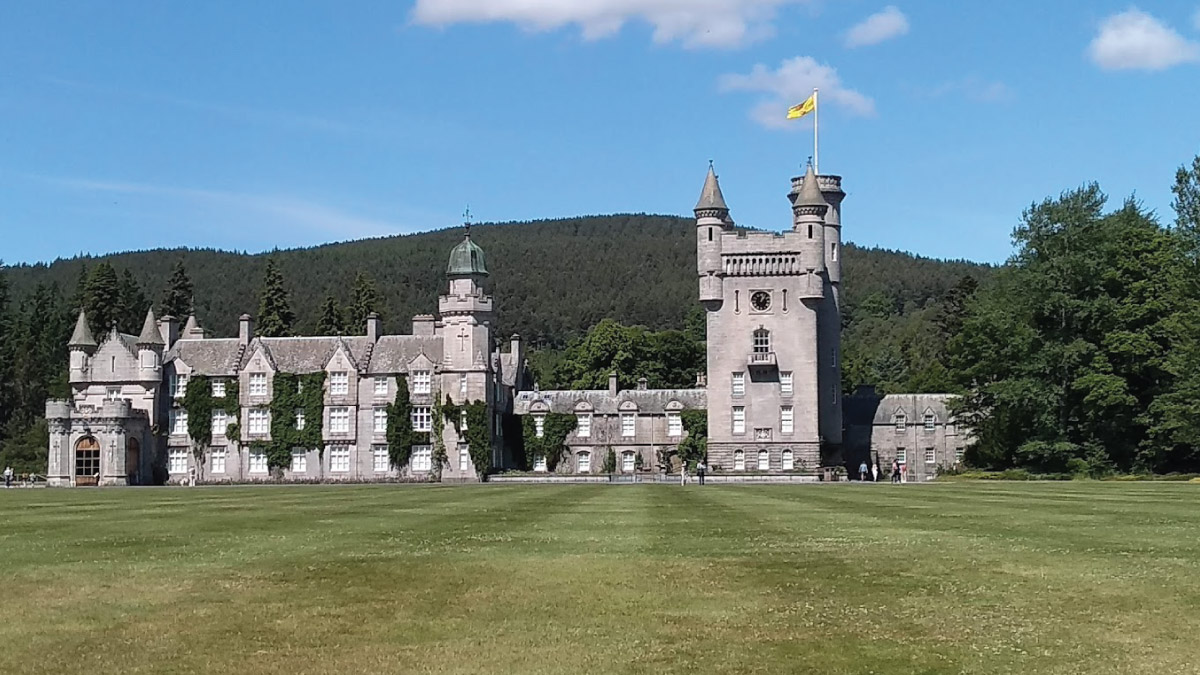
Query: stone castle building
[{"x": 771, "y": 387}]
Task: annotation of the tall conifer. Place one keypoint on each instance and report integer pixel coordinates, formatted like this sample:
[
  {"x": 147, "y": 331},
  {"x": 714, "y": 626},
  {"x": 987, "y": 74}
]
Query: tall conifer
[
  {"x": 275, "y": 316},
  {"x": 364, "y": 300},
  {"x": 331, "y": 321},
  {"x": 177, "y": 298},
  {"x": 102, "y": 298}
]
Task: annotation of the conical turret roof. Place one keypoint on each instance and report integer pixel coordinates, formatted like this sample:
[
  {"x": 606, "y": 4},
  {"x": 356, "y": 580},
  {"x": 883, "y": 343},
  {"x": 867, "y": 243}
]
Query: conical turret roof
[
  {"x": 810, "y": 191},
  {"x": 150, "y": 334},
  {"x": 191, "y": 325},
  {"x": 711, "y": 197},
  {"x": 82, "y": 337}
]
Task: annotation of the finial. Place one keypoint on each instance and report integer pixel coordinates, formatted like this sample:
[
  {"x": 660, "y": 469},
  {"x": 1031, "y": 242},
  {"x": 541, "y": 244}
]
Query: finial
[
  {"x": 467, "y": 220},
  {"x": 810, "y": 162},
  {"x": 710, "y": 164}
]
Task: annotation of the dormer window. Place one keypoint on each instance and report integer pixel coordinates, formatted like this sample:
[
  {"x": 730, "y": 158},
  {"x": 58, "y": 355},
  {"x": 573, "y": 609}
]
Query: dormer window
[
  {"x": 901, "y": 422},
  {"x": 339, "y": 384}
]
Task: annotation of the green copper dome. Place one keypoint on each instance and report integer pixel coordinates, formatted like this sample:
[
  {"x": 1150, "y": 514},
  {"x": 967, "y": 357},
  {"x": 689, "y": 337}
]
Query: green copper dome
[{"x": 466, "y": 258}]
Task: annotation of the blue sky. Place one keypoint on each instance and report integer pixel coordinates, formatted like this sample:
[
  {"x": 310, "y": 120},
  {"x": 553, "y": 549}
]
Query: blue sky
[{"x": 254, "y": 125}]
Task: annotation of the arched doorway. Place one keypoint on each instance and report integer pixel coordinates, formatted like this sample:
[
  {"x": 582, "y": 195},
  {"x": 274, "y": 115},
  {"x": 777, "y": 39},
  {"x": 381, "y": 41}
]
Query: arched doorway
[
  {"x": 87, "y": 461},
  {"x": 133, "y": 457}
]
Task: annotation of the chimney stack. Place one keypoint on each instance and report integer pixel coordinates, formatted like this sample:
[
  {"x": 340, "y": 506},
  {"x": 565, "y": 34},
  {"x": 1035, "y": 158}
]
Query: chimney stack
[
  {"x": 612, "y": 383},
  {"x": 245, "y": 329},
  {"x": 374, "y": 326},
  {"x": 642, "y": 383}
]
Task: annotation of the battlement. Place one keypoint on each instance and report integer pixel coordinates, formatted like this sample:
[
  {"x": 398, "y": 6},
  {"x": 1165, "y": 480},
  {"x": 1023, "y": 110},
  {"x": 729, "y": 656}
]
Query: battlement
[
  {"x": 743, "y": 242},
  {"x": 57, "y": 408},
  {"x": 827, "y": 183}
]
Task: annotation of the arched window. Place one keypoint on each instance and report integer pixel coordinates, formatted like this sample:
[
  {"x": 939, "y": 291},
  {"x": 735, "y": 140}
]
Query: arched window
[
  {"x": 764, "y": 460},
  {"x": 87, "y": 461},
  {"x": 739, "y": 460},
  {"x": 788, "y": 462},
  {"x": 762, "y": 341}
]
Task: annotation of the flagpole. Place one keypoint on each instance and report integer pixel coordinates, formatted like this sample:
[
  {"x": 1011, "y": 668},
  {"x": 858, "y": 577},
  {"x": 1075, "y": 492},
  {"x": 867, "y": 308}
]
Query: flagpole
[{"x": 816, "y": 120}]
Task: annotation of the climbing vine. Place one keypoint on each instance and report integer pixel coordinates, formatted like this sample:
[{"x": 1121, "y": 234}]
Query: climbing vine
[
  {"x": 439, "y": 443},
  {"x": 198, "y": 403},
  {"x": 478, "y": 434},
  {"x": 291, "y": 393},
  {"x": 232, "y": 405},
  {"x": 555, "y": 429},
  {"x": 400, "y": 435},
  {"x": 694, "y": 448}
]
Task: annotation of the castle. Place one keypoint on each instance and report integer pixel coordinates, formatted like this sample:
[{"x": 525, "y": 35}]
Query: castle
[{"x": 771, "y": 390}]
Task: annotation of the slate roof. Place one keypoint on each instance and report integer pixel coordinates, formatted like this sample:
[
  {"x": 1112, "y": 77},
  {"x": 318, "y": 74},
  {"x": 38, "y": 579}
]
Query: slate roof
[
  {"x": 810, "y": 191},
  {"x": 603, "y": 403},
  {"x": 393, "y": 353},
  {"x": 711, "y": 197},
  {"x": 82, "y": 337},
  {"x": 218, "y": 356},
  {"x": 864, "y": 409},
  {"x": 226, "y": 356},
  {"x": 150, "y": 334}
]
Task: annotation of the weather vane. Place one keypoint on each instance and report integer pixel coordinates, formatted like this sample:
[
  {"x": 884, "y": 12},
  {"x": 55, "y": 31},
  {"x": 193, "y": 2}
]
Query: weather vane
[{"x": 467, "y": 219}]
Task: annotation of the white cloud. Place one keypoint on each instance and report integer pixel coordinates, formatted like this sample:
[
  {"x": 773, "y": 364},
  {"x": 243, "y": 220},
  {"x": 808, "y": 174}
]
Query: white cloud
[
  {"x": 790, "y": 84},
  {"x": 1136, "y": 40},
  {"x": 886, "y": 24},
  {"x": 281, "y": 210},
  {"x": 695, "y": 23}
]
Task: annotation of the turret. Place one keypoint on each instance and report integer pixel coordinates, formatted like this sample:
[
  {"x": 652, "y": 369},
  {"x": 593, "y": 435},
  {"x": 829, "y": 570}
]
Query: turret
[
  {"x": 150, "y": 345},
  {"x": 81, "y": 345},
  {"x": 712, "y": 219},
  {"x": 466, "y": 310},
  {"x": 808, "y": 220},
  {"x": 831, "y": 190}
]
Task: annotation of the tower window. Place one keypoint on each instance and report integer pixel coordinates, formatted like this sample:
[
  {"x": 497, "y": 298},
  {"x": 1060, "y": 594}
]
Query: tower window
[
  {"x": 710, "y": 234},
  {"x": 762, "y": 341},
  {"x": 810, "y": 231},
  {"x": 735, "y": 301},
  {"x": 833, "y": 251}
]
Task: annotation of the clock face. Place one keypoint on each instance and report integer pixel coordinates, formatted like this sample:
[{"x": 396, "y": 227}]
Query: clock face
[{"x": 760, "y": 301}]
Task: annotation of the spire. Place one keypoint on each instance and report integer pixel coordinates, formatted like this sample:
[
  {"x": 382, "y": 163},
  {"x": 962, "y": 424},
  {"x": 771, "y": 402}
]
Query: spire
[
  {"x": 150, "y": 334},
  {"x": 191, "y": 326},
  {"x": 810, "y": 191},
  {"x": 711, "y": 198},
  {"x": 82, "y": 337}
]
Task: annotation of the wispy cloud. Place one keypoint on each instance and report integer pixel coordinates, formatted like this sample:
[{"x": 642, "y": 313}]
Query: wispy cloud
[
  {"x": 884, "y": 25},
  {"x": 280, "y": 211},
  {"x": 695, "y": 23},
  {"x": 791, "y": 83},
  {"x": 1134, "y": 40},
  {"x": 972, "y": 88}
]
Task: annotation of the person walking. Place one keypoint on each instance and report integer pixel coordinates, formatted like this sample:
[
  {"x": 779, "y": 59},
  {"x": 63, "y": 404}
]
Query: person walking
[
  {"x": 895, "y": 471},
  {"x": 8, "y": 474},
  {"x": 683, "y": 473},
  {"x": 700, "y": 469},
  {"x": 875, "y": 471},
  {"x": 862, "y": 471}
]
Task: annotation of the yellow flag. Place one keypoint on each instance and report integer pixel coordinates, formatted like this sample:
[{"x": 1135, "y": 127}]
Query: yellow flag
[{"x": 797, "y": 111}]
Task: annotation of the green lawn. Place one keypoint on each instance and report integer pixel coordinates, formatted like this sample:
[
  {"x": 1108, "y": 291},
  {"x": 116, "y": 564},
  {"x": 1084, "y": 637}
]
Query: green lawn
[{"x": 953, "y": 578}]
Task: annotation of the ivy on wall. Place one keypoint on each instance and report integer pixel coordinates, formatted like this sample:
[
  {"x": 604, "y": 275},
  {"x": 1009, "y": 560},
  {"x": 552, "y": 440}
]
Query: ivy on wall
[
  {"x": 232, "y": 404},
  {"x": 291, "y": 393},
  {"x": 198, "y": 403},
  {"x": 478, "y": 434},
  {"x": 400, "y": 434},
  {"x": 555, "y": 429}
]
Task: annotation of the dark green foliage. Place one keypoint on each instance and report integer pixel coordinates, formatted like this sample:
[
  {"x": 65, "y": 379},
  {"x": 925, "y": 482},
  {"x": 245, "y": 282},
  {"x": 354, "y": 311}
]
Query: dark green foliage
[
  {"x": 1080, "y": 355},
  {"x": 291, "y": 393},
  {"x": 400, "y": 434},
  {"x": 364, "y": 300},
  {"x": 694, "y": 447},
  {"x": 232, "y": 406},
  {"x": 198, "y": 402},
  {"x": 610, "y": 462},
  {"x": 667, "y": 359},
  {"x": 555, "y": 429},
  {"x": 102, "y": 300},
  {"x": 133, "y": 304},
  {"x": 275, "y": 316},
  {"x": 478, "y": 433},
  {"x": 177, "y": 296},
  {"x": 331, "y": 321}
]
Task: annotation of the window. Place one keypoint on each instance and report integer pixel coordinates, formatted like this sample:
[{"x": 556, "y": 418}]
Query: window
[
  {"x": 258, "y": 384},
  {"x": 422, "y": 458},
  {"x": 339, "y": 420},
  {"x": 810, "y": 230},
  {"x": 464, "y": 457},
  {"x": 339, "y": 458},
  {"x": 178, "y": 385},
  {"x": 785, "y": 384},
  {"x": 381, "y": 387},
  {"x": 462, "y": 420},
  {"x": 539, "y": 464},
  {"x": 112, "y": 394},
  {"x": 217, "y": 460},
  {"x": 462, "y": 384},
  {"x": 627, "y": 462},
  {"x": 628, "y": 425},
  {"x": 583, "y": 425},
  {"x": 178, "y": 460},
  {"x": 901, "y": 421},
  {"x": 833, "y": 252},
  {"x": 739, "y": 460},
  {"x": 902, "y": 455},
  {"x": 930, "y": 457},
  {"x": 218, "y": 388},
  {"x": 380, "y": 417},
  {"x": 930, "y": 421},
  {"x": 258, "y": 461},
  {"x": 739, "y": 384},
  {"x": 764, "y": 460},
  {"x": 300, "y": 419},
  {"x": 260, "y": 421},
  {"x": 299, "y": 461},
  {"x": 789, "y": 463},
  {"x": 339, "y": 384},
  {"x": 583, "y": 463},
  {"x": 220, "y": 422},
  {"x": 958, "y": 455},
  {"x": 178, "y": 422},
  {"x": 786, "y": 419},
  {"x": 739, "y": 419},
  {"x": 539, "y": 426},
  {"x": 422, "y": 382},
  {"x": 674, "y": 425},
  {"x": 762, "y": 341},
  {"x": 422, "y": 419},
  {"x": 381, "y": 461}
]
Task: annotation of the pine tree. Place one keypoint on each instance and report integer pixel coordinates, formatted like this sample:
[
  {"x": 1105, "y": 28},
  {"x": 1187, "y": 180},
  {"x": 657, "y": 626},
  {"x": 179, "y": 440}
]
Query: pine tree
[
  {"x": 102, "y": 298},
  {"x": 133, "y": 303},
  {"x": 177, "y": 298},
  {"x": 275, "y": 316},
  {"x": 331, "y": 321},
  {"x": 364, "y": 300}
]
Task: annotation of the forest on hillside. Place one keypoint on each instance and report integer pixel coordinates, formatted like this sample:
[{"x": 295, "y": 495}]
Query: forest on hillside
[{"x": 552, "y": 281}]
